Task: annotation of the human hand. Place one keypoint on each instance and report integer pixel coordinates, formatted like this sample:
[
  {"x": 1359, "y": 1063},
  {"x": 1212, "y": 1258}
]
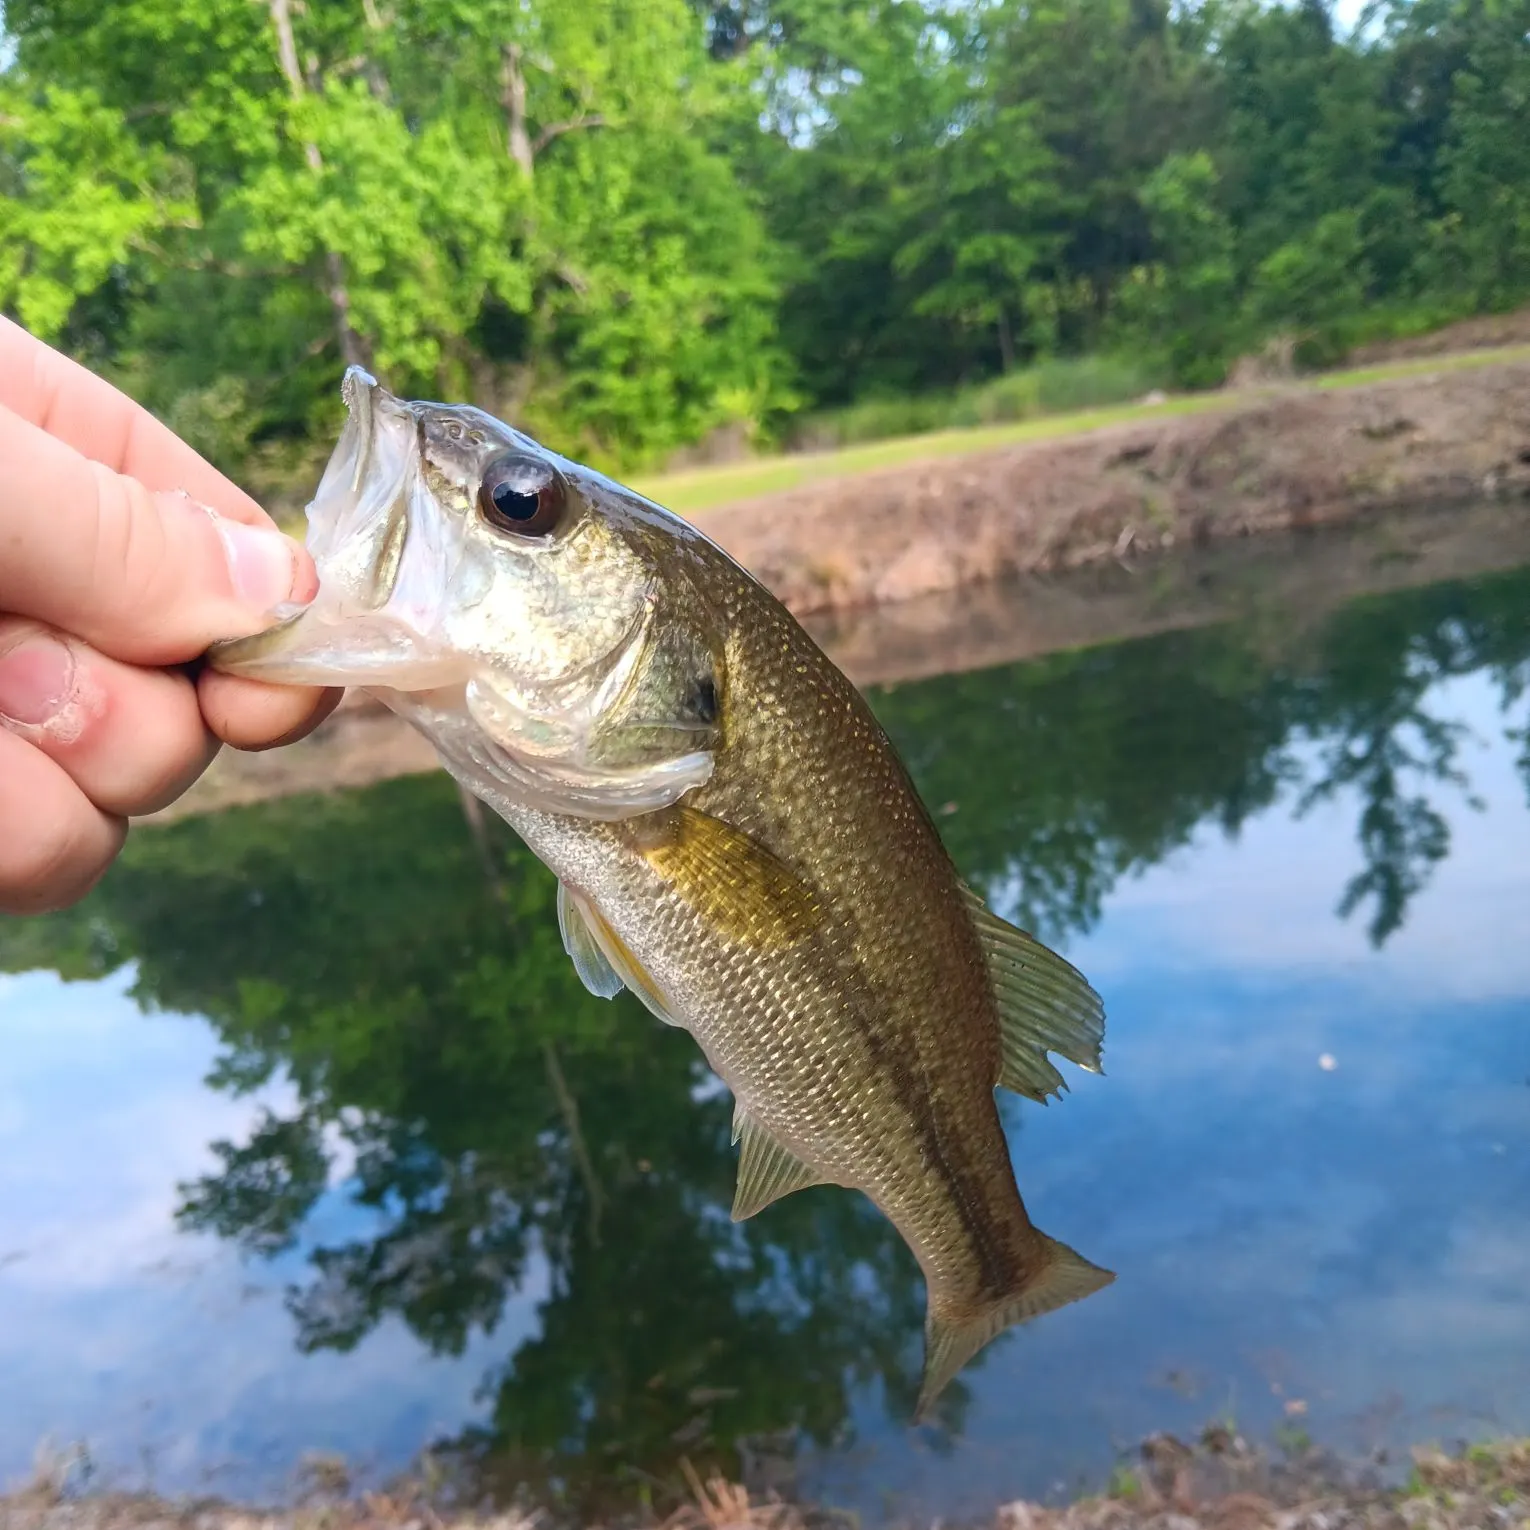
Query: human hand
[{"x": 122, "y": 552}]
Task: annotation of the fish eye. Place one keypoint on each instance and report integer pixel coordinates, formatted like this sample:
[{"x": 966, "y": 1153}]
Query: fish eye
[{"x": 522, "y": 494}]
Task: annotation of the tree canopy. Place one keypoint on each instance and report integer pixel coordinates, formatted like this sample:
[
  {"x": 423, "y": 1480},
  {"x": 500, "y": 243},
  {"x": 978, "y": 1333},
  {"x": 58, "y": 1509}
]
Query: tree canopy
[{"x": 628, "y": 223}]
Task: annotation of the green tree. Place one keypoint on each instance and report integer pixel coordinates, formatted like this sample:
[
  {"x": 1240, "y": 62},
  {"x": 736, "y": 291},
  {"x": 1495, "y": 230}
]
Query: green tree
[
  {"x": 1186, "y": 301},
  {"x": 1486, "y": 157},
  {"x": 628, "y": 223},
  {"x": 1313, "y": 286},
  {"x": 981, "y": 229},
  {"x": 862, "y": 102},
  {"x": 523, "y": 202},
  {"x": 79, "y": 198}
]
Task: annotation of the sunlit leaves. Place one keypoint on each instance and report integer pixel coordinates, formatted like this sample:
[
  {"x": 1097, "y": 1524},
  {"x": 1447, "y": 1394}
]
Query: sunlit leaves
[
  {"x": 574, "y": 250},
  {"x": 424, "y": 225},
  {"x": 79, "y": 196}
]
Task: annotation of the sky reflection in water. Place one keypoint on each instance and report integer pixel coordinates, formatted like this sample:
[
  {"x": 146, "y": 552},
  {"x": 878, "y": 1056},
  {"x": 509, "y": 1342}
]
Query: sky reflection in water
[{"x": 1353, "y": 1239}]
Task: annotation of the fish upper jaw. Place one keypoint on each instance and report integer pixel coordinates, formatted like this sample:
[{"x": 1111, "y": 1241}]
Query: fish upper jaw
[{"x": 385, "y": 556}]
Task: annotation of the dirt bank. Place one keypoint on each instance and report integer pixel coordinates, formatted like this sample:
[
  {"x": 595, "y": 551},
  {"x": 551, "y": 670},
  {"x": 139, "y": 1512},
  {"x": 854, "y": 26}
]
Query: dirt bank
[
  {"x": 1217, "y": 1484},
  {"x": 1302, "y": 576},
  {"x": 1296, "y": 459}
]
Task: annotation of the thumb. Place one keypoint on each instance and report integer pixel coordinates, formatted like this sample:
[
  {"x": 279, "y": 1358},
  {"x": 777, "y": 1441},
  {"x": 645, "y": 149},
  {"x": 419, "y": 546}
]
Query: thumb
[{"x": 147, "y": 578}]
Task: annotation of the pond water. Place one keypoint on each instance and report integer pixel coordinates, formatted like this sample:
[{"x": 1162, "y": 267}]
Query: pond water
[{"x": 310, "y": 1141}]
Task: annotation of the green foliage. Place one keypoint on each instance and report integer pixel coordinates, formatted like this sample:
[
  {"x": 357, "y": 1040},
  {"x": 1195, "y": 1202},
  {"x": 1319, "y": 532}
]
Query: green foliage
[
  {"x": 79, "y": 196},
  {"x": 283, "y": 190},
  {"x": 1313, "y": 285},
  {"x": 1486, "y": 160},
  {"x": 1188, "y": 297},
  {"x": 1054, "y": 386},
  {"x": 627, "y": 224},
  {"x": 1293, "y": 1440},
  {"x": 1124, "y": 1484}
]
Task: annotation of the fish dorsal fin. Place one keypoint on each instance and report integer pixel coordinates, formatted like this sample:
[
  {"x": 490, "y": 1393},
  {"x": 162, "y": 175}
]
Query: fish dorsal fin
[
  {"x": 610, "y": 955},
  {"x": 595, "y": 972},
  {"x": 732, "y": 881},
  {"x": 766, "y": 1170},
  {"x": 1045, "y": 1005}
]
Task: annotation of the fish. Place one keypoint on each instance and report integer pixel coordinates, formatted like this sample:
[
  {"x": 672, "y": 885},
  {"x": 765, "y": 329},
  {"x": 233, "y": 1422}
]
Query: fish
[{"x": 735, "y": 838}]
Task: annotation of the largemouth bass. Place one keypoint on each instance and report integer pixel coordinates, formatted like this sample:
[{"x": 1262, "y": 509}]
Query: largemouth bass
[{"x": 734, "y": 837}]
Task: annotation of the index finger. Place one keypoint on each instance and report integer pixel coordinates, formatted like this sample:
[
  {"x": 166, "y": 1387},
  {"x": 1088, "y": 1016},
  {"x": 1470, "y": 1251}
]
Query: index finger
[{"x": 77, "y": 407}]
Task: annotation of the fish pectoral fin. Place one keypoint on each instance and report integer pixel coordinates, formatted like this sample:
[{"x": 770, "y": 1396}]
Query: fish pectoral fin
[
  {"x": 954, "y": 1334},
  {"x": 766, "y": 1170},
  {"x": 606, "y": 959},
  {"x": 1045, "y": 1005},
  {"x": 595, "y": 971},
  {"x": 733, "y": 882}
]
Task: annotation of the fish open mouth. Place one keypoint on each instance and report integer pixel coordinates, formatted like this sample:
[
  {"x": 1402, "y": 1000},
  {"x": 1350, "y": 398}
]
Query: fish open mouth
[{"x": 383, "y": 557}]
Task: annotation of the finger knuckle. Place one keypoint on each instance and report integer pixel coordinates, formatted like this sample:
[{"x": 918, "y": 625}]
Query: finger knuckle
[
  {"x": 128, "y": 558},
  {"x": 160, "y": 780},
  {"x": 57, "y": 864}
]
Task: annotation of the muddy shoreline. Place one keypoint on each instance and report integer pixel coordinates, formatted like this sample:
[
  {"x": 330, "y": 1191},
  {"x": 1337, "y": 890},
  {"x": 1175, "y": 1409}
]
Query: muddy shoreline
[
  {"x": 1219, "y": 1482},
  {"x": 1301, "y": 576},
  {"x": 1287, "y": 460}
]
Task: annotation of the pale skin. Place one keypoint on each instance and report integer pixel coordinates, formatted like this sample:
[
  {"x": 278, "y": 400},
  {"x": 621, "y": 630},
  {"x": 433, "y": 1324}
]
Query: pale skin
[{"x": 122, "y": 555}]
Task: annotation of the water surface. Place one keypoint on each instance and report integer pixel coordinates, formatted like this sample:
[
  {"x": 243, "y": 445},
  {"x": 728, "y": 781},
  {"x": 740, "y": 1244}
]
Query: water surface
[{"x": 310, "y": 1139}]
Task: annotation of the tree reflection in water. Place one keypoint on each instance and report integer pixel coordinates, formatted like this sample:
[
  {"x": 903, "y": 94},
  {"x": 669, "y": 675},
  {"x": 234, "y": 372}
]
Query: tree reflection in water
[
  {"x": 496, "y": 1113},
  {"x": 1080, "y": 768}
]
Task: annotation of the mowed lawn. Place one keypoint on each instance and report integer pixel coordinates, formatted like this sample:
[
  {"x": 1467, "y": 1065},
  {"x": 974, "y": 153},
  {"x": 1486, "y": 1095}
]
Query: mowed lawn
[{"x": 702, "y": 489}]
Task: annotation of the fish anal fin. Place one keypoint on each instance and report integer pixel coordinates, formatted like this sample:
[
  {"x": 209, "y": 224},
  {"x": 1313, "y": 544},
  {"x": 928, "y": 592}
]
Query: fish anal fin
[
  {"x": 1045, "y": 1005},
  {"x": 954, "y": 1333},
  {"x": 731, "y": 880},
  {"x": 766, "y": 1170},
  {"x": 590, "y": 962}
]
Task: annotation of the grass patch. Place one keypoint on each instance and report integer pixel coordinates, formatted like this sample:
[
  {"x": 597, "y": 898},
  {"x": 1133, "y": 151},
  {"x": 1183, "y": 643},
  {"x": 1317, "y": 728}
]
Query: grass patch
[
  {"x": 1458, "y": 361},
  {"x": 1051, "y": 387},
  {"x": 704, "y": 488},
  {"x": 701, "y": 489}
]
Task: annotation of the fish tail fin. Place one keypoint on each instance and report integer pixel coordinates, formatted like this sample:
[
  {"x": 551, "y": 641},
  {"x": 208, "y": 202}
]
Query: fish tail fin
[{"x": 955, "y": 1331}]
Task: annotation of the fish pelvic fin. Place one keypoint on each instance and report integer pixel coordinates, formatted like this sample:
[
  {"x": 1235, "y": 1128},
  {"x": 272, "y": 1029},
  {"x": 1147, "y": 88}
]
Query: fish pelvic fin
[
  {"x": 954, "y": 1332},
  {"x": 1045, "y": 1005},
  {"x": 601, "y": 957},
  {"x": 766, "y": 1170},
  {"x": 595, "y": 971}
]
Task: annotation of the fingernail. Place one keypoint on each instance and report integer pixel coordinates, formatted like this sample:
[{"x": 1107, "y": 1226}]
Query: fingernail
[
  {"x": 261, "y": 562},
  {"x": 36, "y": 681}
]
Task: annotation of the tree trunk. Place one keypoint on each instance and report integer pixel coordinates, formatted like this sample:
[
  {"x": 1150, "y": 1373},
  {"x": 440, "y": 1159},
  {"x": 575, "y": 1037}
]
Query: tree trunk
[
  {"x": 286, "y": 47},
  {"x": 512, "y": 96},
  {"x": 352, "y": 352},
  {"x": 1006, "y": 342},
  {"x": 377, "y": 81},
  {"x": 568, "y": 1108}
]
